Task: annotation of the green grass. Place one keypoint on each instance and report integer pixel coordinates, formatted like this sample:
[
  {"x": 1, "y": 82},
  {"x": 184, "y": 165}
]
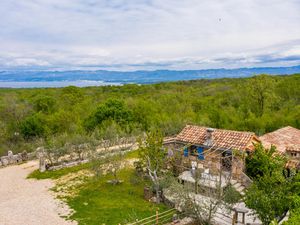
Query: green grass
[
  {"x": 132, "y": 154},
  {"x": 57, "y": 173},
  {"x": 99, "y": 202}
]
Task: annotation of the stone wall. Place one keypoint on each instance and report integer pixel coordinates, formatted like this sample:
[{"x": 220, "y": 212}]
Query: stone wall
[
  {"x": 11, "y": 159},
  {"x": 212, "y": 160}
]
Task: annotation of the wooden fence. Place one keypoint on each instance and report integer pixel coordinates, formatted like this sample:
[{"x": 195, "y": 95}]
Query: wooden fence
[{"x": 158, "y": 219}]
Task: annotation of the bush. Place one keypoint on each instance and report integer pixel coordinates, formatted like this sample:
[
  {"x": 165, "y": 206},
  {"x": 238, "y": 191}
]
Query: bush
[{"x": 32, "y": 126}]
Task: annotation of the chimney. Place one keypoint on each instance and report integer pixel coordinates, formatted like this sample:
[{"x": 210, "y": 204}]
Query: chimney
[{"x": 209, "y": 137}]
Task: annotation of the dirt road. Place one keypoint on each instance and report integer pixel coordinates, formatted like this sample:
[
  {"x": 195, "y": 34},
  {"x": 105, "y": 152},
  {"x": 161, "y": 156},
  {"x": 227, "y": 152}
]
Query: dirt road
[{"x": 28, "y": 201}]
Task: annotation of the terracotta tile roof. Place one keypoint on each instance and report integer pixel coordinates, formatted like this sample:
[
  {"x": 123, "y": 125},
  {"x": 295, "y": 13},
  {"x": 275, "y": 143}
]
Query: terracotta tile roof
[
  {"x": 221, "y": 138},
  {"x": 284, "y": 138},
  {"x": 293, "y": 148}
]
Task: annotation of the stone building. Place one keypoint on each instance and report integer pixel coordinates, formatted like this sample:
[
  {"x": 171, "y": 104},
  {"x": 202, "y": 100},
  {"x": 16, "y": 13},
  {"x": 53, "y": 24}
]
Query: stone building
[
  {"x": 287, "y": 141},
  {"x": 213, "y": 149}
]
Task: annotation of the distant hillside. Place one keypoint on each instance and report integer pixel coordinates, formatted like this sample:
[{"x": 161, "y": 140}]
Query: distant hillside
[{"x": 139, "y": 77}]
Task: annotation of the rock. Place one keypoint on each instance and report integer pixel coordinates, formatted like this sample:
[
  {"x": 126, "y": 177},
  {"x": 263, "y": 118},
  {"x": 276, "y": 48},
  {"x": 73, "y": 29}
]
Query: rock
[
  {"x": 31, "y": 155},
  {"x": 42, "y": 164},
  {"x": 10, "y": 157},
  {"x": 4, "y": 160},
  {"x": 17, "y": 158},
  {"x": 24, "y": 155}
]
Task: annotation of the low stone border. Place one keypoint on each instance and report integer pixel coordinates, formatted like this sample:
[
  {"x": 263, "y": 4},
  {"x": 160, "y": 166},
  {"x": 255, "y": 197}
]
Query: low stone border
[
  {"x": 12, "y": 159},
  {"x": 67, "y": 164}
]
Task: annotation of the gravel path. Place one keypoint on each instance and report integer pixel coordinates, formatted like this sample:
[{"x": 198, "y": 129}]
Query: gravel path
[{"x": 28, "y": 201}]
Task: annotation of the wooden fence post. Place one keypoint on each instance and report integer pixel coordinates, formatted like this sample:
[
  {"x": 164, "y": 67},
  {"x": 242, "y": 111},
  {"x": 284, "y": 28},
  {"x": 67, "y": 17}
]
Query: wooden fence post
[{"x": 157, "y": 217}]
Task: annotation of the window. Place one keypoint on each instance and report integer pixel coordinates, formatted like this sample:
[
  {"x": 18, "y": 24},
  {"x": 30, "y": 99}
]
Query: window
[{"x": 193, "y": 150}]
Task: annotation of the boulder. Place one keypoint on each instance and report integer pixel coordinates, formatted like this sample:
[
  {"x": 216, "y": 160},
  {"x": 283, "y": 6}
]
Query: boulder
[
  {"x": 24, "y": 155},
  {"x": 18, "y": 158},
  {"x": 10, "y": 157},
  {"x": 4, "y": 161}
]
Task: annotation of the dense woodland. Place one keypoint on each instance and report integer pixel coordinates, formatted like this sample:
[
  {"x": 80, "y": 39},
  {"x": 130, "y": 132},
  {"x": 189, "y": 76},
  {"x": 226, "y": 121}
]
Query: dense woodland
[{"x": 30, "y": 117}]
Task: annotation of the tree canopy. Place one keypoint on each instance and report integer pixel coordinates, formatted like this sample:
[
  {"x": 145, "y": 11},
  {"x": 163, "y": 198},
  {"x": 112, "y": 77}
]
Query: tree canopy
[
  {"x": 260, "y": 104},
  {"x": 272, "y": 193}
]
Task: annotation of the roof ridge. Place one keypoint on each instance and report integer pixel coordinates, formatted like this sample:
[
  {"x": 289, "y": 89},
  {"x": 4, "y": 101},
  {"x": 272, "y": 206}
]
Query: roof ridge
[
  {"x": 224, "y": 138},
  {"x": 220, "y": 129}
]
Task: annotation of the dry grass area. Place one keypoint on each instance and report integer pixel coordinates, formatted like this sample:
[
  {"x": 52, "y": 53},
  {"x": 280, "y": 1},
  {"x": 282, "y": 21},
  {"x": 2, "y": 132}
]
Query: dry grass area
[{"x": 69, "y": 185}]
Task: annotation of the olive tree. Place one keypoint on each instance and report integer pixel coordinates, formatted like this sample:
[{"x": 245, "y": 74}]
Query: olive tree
[{"x": 151, "y": 156}]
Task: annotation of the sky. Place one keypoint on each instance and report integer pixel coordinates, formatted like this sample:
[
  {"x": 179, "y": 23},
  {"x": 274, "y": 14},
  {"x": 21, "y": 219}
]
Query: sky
[{"x": 148, "y": 34}]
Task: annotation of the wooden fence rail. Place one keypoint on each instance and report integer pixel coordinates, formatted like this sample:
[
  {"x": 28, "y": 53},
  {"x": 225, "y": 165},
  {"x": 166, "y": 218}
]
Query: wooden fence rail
[{"x": 157, "y": 219}]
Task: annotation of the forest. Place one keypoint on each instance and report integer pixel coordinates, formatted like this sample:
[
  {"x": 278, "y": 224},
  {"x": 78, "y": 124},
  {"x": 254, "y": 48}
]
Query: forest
[{"x": 31, "y": 117}]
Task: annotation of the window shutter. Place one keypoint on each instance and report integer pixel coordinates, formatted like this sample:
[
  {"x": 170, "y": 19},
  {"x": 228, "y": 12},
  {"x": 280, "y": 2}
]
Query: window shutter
[
  {"x": 200, "y": 153},
  {"x": 186, "y": 152}
]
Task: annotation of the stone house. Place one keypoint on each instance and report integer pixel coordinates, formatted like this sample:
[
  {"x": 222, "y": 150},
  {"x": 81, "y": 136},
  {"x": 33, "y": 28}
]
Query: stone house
[
  {"x": 287, "y": 141},
  {"x": 213, "y": 149}
]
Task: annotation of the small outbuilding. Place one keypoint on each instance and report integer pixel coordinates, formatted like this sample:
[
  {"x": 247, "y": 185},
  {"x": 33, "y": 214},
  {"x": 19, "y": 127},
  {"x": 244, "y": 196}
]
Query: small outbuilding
[{"x": 287, "y": 141}]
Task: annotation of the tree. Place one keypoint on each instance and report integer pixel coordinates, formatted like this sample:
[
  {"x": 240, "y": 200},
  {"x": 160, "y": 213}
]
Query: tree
[
  {"x": 32, "y": 126},
  {"x": 294, "y": 199},
  {"x": 55, "y": 148},
  {"x": 260, "y": 90},
  {"x": 111, "y": 110},
  {"x": 151, "y": 156},
  {"x": 80, "y": 144},
  {"x": 264, "y": 162},
  {"x": 110, "y": 163},
  {"x": 269, "y": 197},
  {"x": 269, "y": 193},
  {"x": 72, "y": 95},
  {"x": 44, "y": 104}
]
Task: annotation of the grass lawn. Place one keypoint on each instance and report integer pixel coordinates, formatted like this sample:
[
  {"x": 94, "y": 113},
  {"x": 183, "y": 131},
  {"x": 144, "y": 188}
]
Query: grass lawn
[
  {"x": 58, "y": 173},
  {"x": 99, "y": 202}
]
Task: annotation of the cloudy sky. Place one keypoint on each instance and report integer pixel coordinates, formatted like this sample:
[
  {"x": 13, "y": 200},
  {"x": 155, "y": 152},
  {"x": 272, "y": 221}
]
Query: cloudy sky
[{"x": 148, "y": 34}]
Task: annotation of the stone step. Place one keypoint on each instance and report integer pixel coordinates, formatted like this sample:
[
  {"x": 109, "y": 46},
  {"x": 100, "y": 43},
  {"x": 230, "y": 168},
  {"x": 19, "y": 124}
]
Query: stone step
[
  {"x": 240, "y": 189},
  {"x": 238, "y": 186},
  {"x": 222, "y": 219},
  {"x": 233, "y": 182}
]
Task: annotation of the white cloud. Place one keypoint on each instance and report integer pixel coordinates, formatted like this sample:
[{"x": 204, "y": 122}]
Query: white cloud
[{"x": 132, "y": 34}]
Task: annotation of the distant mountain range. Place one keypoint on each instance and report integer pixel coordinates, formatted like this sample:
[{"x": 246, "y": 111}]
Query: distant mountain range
[{"x": 138, "y": 77}]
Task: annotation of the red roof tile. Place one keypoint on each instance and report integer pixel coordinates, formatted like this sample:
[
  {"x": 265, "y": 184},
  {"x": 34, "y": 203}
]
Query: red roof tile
[
  {"x": 293, "y": 148},
  {"x": 284, "y": 138},
  {"x": 221, "y": 138}
]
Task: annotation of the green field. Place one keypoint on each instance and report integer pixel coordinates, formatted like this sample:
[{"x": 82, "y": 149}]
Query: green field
[{"x": 99, "y": 202}]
